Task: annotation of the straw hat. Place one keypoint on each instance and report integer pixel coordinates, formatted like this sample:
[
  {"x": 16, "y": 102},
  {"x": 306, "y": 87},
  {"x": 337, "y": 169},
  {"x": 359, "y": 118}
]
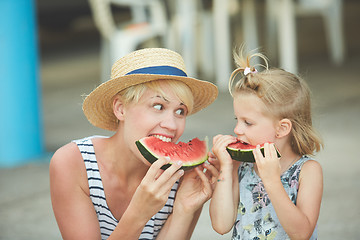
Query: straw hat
[{"x": 139, "y": 67}]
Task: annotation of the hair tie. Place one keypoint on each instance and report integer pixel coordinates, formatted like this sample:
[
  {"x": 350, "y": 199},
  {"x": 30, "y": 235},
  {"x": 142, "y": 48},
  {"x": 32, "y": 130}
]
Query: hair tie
[{"x": 248, "y": 70}]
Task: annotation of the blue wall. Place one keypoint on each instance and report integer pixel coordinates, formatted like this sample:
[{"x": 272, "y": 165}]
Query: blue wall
[{"x": 21, "y": 126}]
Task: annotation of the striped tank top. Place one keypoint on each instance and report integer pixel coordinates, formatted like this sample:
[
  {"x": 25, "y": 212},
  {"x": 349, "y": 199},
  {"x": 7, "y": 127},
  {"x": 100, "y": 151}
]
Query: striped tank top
[{"x": 106, "y": 219}]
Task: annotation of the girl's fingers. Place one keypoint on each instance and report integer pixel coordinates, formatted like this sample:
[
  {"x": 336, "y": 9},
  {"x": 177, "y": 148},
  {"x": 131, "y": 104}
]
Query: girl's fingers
[
  {"x": 273, "y": 150},
  {"x": 257, "y": 154},
  {"x": 216, "y": 138},
  {"x": 267, "y": 151}
]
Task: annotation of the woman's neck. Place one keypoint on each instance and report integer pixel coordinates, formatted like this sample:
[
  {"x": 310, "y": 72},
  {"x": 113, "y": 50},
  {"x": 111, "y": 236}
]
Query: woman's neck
[{"x": 117, "y": 160}]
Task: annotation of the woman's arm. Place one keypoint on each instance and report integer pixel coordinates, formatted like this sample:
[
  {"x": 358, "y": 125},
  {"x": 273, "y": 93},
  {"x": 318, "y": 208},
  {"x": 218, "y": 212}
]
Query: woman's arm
[
  {"x": 71, "y": 203},
  {"x": 194, "y": 190},
  {"x": 298, "y": 220},
  {"x": 73, "y": 207}
]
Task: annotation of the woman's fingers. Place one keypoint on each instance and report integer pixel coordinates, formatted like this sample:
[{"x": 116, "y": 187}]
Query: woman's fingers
[
  {"x": 207, "y": 186},
  {"x": 155, "y": 169},
  {"x": 168, "y": 178},
  {"x": 211, "y": 173}
]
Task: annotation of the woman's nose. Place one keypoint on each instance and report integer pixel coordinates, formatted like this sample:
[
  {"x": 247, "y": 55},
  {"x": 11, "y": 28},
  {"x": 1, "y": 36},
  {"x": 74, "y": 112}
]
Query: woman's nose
[{"x": 169, "y": 122}]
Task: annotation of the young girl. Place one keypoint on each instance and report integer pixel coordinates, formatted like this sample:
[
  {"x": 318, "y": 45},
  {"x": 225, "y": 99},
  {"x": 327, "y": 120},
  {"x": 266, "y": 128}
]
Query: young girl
[{"x": 273, "y": 198}]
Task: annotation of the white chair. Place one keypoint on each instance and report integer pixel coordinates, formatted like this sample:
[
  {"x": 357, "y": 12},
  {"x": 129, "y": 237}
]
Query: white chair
[
  {"x": 148, "y": 20},
  {"x": 280, "y": 19},
  {"x": 222, "y": 9},
  {"x": 205, "y": 37}
]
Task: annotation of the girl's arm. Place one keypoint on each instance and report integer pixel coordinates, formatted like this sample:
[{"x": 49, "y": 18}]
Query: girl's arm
[
  {"x": 224, "y": 202},
  {"x": 298, "y": 220},
  {"x": 73, "y": 207}
]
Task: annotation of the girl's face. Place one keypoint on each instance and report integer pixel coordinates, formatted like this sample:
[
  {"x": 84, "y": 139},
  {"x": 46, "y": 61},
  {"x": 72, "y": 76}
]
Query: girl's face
[
  {"x": 253, "y": 125},
  {"x": 154, "y": 115}
]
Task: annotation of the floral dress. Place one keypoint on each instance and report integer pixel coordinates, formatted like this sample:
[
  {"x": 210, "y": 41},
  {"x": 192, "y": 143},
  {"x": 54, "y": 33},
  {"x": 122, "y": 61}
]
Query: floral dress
[{"x": 256, "y": 218}]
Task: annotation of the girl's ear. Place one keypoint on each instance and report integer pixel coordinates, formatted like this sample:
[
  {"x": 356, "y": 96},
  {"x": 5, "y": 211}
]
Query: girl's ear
[
  {"x": 283, "y": 128},
  {"x": 118, "y": 108}
]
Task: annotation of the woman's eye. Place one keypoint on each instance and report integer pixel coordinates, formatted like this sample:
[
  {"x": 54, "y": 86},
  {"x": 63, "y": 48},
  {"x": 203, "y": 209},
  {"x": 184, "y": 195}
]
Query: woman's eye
[
  {"x": 180, "y": 111},
  {"x": 158, "y": 106}
]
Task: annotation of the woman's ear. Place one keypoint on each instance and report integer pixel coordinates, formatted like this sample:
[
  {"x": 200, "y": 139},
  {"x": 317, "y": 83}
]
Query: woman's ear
[
  {"x": 283, "y": 128},
  {"x": 118, "y": 108}
]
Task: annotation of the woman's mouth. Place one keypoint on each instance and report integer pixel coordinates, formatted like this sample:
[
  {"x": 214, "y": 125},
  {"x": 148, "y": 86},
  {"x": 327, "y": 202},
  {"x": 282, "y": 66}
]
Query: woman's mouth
[{"x": 162, "y": 138}]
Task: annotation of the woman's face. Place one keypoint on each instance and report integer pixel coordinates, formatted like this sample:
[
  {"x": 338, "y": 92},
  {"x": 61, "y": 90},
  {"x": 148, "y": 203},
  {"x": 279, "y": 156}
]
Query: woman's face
[
  {"x": 154, "y": 115},
  {"x": 253, "y": 126}
]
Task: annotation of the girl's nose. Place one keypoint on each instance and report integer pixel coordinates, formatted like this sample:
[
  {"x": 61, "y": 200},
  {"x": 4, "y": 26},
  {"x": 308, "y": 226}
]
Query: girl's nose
[{"x": 238, "y": 130}]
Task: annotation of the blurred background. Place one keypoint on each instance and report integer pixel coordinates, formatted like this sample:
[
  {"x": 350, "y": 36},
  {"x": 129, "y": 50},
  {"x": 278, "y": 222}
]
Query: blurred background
[{"x": 55, "y": 52}]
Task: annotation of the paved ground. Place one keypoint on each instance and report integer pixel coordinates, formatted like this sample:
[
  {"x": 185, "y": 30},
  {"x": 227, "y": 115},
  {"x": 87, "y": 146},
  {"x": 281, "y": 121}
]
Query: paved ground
[{"x": 25, "y": 207}]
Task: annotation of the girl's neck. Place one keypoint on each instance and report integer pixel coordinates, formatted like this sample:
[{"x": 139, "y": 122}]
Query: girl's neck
[{"x": 288, "y": 158}]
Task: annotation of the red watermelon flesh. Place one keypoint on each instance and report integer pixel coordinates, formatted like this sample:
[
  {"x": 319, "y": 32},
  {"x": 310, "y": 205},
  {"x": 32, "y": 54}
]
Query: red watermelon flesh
[
  {"x": 243, "y": 146},
  {"x": 192, "y": 153},
  {"x": 244, "y": 152}
]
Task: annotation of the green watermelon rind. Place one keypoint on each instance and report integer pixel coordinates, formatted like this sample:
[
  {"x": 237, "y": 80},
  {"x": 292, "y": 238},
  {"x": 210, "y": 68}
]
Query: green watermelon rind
[
  {"x": 151, "y": 157},
  {"x": 245, "y": 155}
]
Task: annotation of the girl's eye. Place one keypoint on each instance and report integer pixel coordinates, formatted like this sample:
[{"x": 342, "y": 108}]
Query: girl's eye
[
  {"x": 158, "y": 106},
  {"x": 248, "y": 123}
]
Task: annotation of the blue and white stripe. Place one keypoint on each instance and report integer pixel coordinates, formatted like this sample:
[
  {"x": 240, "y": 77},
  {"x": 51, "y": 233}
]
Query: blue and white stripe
[{"x": 106, "y": 219}]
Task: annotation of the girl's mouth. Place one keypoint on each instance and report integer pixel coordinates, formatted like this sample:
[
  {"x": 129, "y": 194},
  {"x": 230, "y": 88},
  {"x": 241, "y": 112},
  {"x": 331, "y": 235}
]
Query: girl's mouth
[{"x": 245, "y": 143}]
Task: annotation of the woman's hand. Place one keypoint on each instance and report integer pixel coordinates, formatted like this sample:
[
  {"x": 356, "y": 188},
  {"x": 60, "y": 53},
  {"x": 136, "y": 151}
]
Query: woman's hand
[
  {"x": 153, "y": 191},
  {"x": 212, "y": 169},
  {"x": 269, "y": 165},
  {"x": 194, "y": 190}
]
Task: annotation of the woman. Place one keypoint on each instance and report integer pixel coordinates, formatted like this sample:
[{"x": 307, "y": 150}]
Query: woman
[{"x": 101, "y": 187}]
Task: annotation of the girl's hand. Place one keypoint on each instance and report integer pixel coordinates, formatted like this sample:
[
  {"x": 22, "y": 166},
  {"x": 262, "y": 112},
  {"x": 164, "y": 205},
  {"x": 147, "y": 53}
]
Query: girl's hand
[
  {"x": 153, "y": 191},
  {"x": 269, "y": 166},
  {"x": 220, "y": 142}
]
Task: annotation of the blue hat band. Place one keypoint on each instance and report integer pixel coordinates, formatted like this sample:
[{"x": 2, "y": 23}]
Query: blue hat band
[{"x": 159, "y": 70}]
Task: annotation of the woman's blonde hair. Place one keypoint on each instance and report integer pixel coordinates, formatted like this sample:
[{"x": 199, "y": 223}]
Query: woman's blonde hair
[
  {"x": 181, "y": 90},
  {"x": 284, "y": 94}
]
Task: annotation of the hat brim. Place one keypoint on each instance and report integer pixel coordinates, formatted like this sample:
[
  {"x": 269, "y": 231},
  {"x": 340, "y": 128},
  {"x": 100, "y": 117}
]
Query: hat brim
[{"x": 98, "y": 107}]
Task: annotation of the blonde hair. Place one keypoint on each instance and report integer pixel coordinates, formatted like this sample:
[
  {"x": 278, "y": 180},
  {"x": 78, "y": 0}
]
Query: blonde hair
[
  {"x": 284, "y": 94},
  {"x": 181, "y": 90}
]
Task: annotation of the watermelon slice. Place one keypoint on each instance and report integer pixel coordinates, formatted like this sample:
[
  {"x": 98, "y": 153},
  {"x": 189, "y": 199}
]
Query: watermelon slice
[
  {"x": 244, "y": 152},
  {"x": 192, "y": 154}
]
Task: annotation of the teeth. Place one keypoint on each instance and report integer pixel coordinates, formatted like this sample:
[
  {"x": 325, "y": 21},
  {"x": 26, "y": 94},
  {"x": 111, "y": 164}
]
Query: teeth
[
  {"x": 243, "y": 142},
  {"x": 162, "y": 138}
]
